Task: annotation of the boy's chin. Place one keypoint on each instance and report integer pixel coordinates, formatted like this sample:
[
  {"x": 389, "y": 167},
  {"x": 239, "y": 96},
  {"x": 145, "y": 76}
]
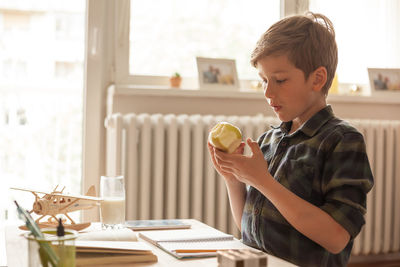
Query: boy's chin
[{"x": 283, "y": 118}]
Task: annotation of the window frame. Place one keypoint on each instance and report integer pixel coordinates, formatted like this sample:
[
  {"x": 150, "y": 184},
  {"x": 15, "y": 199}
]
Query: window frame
[
  {"x": 99, "y": 60},
  {"x": 121, "y": 68}
]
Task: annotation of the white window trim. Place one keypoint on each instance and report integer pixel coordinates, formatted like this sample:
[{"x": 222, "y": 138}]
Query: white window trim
[
  {"x": 98, "y": 76},
  {"x": 293, "y": 7},
  {"x": 122, "y": 15}
]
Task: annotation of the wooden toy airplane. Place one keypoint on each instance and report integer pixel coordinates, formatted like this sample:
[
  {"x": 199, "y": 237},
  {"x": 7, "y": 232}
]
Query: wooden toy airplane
[{"x": 55, "y": 202}]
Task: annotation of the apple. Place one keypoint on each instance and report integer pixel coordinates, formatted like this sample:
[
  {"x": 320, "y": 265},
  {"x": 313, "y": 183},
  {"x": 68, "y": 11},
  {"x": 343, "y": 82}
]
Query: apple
[{"x": 225, "y": 136}]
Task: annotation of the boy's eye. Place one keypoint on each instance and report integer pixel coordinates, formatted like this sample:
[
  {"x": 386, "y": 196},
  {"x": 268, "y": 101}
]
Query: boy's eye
[{"x": 281, "y": 81}]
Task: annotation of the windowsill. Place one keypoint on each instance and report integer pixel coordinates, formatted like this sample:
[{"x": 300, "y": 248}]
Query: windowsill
[
  {"x": 144, "y": 90},
  {"x": 184, "y": 92}
]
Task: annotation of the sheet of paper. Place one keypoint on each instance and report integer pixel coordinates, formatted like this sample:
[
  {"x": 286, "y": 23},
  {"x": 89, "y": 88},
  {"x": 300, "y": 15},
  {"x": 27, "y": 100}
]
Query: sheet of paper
[{"x": 185, "y": 235}]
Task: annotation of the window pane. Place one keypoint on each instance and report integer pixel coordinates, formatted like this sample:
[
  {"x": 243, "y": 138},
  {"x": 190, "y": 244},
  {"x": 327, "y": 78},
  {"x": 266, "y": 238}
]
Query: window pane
[
  {"x": 41, "y": 89},
  {"x": 166, "y": 36},
  {"x": 367, "y": 34}
]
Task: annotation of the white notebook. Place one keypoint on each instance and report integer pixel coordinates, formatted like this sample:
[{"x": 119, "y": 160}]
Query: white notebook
[
  {"x": 123, "y": 234},
  {"x": 190, "y": 243}
]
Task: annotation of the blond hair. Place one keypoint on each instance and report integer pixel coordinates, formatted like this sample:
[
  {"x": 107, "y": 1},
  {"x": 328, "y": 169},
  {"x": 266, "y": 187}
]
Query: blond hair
[{"x": 308, "y": 41}]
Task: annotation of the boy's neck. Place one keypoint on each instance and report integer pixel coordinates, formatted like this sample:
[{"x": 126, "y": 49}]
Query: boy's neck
[{"x": 297, "y": 122}]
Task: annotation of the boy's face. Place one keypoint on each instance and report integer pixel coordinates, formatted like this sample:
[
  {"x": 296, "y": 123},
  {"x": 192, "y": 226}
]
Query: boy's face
[{"x": 291, "y": 96}]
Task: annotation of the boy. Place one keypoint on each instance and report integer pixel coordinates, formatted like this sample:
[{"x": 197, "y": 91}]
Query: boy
[{"x": 301, "y": 195}]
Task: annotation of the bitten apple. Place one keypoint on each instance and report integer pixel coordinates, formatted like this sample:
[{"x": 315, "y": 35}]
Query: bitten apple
[{"x": 225, "y": 136}]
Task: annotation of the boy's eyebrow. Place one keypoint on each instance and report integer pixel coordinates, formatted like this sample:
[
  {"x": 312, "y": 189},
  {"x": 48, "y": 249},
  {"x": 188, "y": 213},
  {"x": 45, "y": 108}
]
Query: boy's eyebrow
[
  {"x": 275, "y": 72},
  {"x": 280, "y": 71}
]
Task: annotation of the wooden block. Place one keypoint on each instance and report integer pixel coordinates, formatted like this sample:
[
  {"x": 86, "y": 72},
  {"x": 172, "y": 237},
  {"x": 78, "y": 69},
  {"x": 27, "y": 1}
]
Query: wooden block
[{"x": 242, "y": 258}]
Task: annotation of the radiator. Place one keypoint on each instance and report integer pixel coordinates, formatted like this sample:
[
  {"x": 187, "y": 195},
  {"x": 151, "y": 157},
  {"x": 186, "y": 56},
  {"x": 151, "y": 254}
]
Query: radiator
[
  {"x": 381, "y": 233},
  {"x": 169, "y": 174}
]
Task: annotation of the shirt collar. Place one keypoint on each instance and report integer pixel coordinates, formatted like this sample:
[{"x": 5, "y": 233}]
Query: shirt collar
[{"x": 311, "y": 126}]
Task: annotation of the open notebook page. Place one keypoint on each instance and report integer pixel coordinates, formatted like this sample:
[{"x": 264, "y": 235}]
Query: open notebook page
[{"x": 188, "y": 235}]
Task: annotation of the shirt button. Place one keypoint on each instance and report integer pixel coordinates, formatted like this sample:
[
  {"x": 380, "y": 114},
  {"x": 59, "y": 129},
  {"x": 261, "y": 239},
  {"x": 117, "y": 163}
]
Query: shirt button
[
  {"x": 284, "y": 143},
  {"x": 256, "y": 211}
]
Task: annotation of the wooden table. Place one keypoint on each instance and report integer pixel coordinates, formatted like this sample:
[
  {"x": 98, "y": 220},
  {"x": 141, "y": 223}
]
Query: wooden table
[{"x": 16, "y": 246}]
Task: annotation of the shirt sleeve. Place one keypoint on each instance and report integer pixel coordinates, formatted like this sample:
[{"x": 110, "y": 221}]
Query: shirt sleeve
[{"x": 346, "y": 180}]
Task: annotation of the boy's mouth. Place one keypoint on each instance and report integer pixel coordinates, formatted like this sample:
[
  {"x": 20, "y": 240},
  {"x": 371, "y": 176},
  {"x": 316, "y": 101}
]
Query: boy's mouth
[{"x": 276, "y": 108}]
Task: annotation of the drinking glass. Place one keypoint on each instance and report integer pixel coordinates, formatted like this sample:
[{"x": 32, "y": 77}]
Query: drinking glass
[{"x": 112, "y": 207}]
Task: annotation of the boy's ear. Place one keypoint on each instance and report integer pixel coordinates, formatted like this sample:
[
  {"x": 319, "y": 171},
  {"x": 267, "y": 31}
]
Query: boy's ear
[{"x": 320, "y": 77}]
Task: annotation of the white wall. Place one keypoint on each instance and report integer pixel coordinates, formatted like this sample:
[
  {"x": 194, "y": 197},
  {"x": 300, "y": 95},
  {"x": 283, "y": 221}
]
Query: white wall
[{"x": 128, "y": 99}]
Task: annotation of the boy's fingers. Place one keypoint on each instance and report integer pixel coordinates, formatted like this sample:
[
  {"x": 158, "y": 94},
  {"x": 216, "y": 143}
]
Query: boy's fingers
[
  {"x": 210, "y": 148},
  {"x": 240, "y": 148},
  {"x": 253, "y": 146}
]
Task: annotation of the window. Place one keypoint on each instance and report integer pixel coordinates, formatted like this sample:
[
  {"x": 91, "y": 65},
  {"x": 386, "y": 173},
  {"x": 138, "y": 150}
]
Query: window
[
  {"x": 166, "y": 36},
  {"x": 18, "y": 21},
  {"x": 66, "y": 24},
  {"x": 13, "y": 67},
  {"x": 367, "y": 34},
  {"x": 41, "y": 89},
  {"x": 71, "y": 70}
]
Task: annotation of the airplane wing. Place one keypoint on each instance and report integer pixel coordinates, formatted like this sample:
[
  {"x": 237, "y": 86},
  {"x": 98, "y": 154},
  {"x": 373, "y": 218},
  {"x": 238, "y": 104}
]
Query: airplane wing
[
  {"x": 58, "y": 194},
  {"x": 30, "y": 190}
]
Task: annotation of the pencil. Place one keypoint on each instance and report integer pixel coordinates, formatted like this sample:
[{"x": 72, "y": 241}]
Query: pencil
[{"x": 194, "y": 250}]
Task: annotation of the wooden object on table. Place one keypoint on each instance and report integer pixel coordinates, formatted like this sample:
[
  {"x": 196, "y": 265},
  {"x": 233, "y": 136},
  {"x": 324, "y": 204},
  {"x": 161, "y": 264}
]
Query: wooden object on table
[
  {"x": 56, "y": 202},
  {"x": 242, "y": 257}
]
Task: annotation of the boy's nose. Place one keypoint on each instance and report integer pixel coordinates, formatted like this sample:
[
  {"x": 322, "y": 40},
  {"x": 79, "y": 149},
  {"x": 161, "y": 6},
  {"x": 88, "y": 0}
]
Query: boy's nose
[{"x": 268, "y": 90}]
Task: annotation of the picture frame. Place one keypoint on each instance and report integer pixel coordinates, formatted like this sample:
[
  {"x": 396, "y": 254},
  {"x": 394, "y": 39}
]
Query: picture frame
[
  {"x": 384, "y": 80},
  {"x": 217, "y": 74}
]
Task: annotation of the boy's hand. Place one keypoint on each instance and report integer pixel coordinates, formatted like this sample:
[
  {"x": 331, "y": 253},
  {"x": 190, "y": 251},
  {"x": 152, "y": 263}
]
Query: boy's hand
[
  {"x": 212, "y": 150},
  {"x": 247, "y": 169}
]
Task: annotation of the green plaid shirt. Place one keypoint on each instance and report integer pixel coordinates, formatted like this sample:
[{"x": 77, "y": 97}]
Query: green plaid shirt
[{"x": 325, "y": 163}]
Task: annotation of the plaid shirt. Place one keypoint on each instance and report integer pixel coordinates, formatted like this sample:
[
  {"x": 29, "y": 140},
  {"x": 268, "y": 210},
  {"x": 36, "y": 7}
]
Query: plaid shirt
[{"x": 325, "y": 163}]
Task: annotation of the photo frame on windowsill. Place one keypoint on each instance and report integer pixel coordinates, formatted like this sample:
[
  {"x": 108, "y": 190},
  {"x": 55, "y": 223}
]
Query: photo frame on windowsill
[
  {"x": 217, "y": 74},
  {"x": 384, "y": 80}
]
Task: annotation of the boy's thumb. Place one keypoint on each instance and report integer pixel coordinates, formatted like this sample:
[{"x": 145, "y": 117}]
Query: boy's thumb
[{"x": 252, "y": 144}]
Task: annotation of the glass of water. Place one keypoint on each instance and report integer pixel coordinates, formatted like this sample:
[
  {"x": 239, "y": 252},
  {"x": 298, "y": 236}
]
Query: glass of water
[{"x": 112, "y": 208}]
